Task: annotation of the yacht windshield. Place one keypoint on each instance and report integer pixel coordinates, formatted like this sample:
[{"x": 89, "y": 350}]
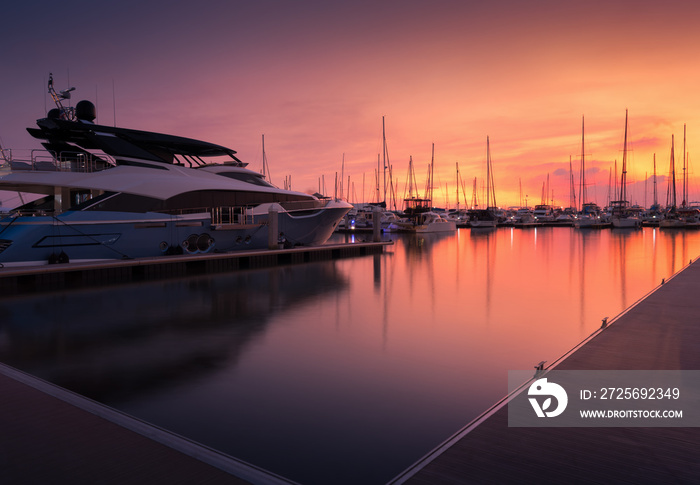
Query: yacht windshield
[
  {"x": 43, "y": 204},
  {"x": 249, "y": 178}
]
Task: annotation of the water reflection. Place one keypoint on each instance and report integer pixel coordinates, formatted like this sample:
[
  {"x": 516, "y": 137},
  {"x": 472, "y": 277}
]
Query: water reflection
[
  {"x": 111, "y": 344},
  {"x": 344, "y": 371}
]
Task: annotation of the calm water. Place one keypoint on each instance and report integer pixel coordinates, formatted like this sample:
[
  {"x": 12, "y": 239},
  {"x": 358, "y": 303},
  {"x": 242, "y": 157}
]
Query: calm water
[{"x": 342, "y": 371}]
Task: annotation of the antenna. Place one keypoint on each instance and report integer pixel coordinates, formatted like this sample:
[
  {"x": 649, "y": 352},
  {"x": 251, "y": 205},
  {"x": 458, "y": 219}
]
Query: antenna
[
  {"x": 114, "y": 105},
  {"x": 65, "y": 94},
  {"x": 66, "y": 113}
]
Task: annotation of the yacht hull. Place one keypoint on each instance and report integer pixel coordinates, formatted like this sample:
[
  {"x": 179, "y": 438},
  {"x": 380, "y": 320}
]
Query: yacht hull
[
  {"x": 482, "y": 224},
  {"x": 672, "y": 223},
  {"x": 626, "y": 222},
  {"x": 78, "y": 235}
]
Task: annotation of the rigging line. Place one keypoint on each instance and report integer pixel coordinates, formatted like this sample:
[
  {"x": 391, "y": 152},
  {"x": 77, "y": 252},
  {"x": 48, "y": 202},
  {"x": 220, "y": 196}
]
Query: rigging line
[
  {"x": 14, "y": 216},
  {"x": 125, "y": 256}
]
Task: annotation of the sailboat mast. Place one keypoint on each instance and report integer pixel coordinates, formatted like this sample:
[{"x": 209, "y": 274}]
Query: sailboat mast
[
  {"x": 646, "y": 180},
  {"x": 410, "y": 177},
  {"x": 685, "y": 173},
  {"x": 377, "y": 179},
  {"x": 673, "y": 176},
  {"x": 490, "y": 189},
  {"x": 457, "y": 179},
  {"x": 264, "y": 161},
  {"x": 488, "y": 175},
  {"x": 656, "y": 202},
  {"x": 384, "y": 156},
  {"x": 572, "y": 189},
  {"x": 623, "y": 179},
  {"x": 342, "y": 178},
  {"x": 432, "y": 173},
  {"x": 582, "y": 188}
]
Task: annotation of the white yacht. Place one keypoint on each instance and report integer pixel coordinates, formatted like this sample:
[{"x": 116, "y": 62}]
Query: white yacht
[
  {"x": 113, "y": 193},
  {"x": 544, "y": 214}
]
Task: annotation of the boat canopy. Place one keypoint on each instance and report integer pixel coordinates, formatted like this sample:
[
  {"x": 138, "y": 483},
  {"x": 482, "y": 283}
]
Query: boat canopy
[{"x": 123, "y": 142}]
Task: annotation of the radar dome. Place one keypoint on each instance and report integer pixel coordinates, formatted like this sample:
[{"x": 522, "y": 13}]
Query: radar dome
[{"x": 85, "y": 111}]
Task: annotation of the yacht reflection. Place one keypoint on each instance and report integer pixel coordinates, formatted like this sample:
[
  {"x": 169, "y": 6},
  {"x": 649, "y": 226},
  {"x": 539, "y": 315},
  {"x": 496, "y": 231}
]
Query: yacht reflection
[{"x": 113, "y": 342}]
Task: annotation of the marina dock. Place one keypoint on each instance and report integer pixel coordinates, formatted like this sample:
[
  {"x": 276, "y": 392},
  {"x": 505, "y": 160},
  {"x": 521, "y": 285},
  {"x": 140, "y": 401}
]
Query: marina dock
[
  {"x": 659, "y": 332},
  {"x": 75, "y": 275}
]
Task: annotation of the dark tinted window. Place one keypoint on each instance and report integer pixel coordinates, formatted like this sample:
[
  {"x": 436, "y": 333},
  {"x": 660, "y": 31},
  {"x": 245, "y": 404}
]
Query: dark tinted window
[{"x": 248, "y": 178}]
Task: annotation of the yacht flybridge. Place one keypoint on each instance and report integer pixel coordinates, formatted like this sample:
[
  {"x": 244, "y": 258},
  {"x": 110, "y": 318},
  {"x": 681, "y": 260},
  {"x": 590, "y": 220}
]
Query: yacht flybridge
[{"x": 112, "y": 193}]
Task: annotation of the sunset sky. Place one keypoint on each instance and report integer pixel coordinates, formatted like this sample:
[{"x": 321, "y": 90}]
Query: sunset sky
[{"x": 316, "y": 78}]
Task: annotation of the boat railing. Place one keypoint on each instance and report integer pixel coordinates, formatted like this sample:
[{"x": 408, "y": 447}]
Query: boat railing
[
  {"x": 6, "y": 155},
  {"x": 227, "y": 215},
  {"x": 246, "y": 214},
  {"x": 222, "y": 215},
  {"x": 32, "y": 212},
  {"x": 65, "y": 161},
  {"x": 234, "y": 215}
]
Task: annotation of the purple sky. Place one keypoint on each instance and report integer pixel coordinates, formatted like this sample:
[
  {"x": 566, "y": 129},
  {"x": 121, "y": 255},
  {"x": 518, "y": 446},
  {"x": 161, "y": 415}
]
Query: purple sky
[{"x": 316, "y": 78}]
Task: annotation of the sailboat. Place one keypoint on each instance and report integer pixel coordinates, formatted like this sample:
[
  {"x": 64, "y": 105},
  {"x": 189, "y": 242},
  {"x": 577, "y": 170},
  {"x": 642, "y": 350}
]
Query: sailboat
[
  {"x": 459, "y": 216},
  {"x": 420, "y": 217},
  {"x": 622, "y": 216},
  {"x": 653, "y": 215},
  {"x": 683, "y": 216},
  {"x": 431, "y": 221},
  {"x": 486, "y": 218},
  {"x": 589, "y": 215},
  {"x": 672, "y": 218}
]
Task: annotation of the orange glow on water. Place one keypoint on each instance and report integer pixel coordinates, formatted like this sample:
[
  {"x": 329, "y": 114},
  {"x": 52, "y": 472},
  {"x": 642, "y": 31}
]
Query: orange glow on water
[
  {"x": 537, "y": 289},
  {"x": 307, "y": 369}
]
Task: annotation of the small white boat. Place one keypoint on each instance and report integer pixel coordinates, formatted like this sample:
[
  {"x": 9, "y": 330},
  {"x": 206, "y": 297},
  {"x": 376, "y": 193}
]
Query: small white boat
[
  {"x": 434, "y": 222},
  {"x": 523, "y": 217},
  {"x": 544, "y": 213},
  {"x": 628, "y": 222},
  {"x": 423, "y": 222}
]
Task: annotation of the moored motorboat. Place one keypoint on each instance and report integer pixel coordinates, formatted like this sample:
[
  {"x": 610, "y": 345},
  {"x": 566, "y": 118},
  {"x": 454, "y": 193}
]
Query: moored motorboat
[{"x": 111, "y": 193}]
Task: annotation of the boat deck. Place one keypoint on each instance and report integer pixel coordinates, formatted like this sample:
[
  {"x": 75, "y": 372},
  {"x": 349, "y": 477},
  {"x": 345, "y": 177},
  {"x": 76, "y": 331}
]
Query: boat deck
[{"x": 661, "y": 332}]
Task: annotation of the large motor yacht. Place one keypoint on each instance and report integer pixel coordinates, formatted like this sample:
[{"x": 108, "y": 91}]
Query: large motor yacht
[{"x": 114, "y": 193}]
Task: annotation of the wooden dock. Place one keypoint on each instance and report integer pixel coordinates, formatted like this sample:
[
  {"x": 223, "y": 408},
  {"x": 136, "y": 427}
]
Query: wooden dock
[
  {"x": 74, "y": 275},
  {"x": 51, "y": 435},
  {"x": 661, "y": 332}
]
